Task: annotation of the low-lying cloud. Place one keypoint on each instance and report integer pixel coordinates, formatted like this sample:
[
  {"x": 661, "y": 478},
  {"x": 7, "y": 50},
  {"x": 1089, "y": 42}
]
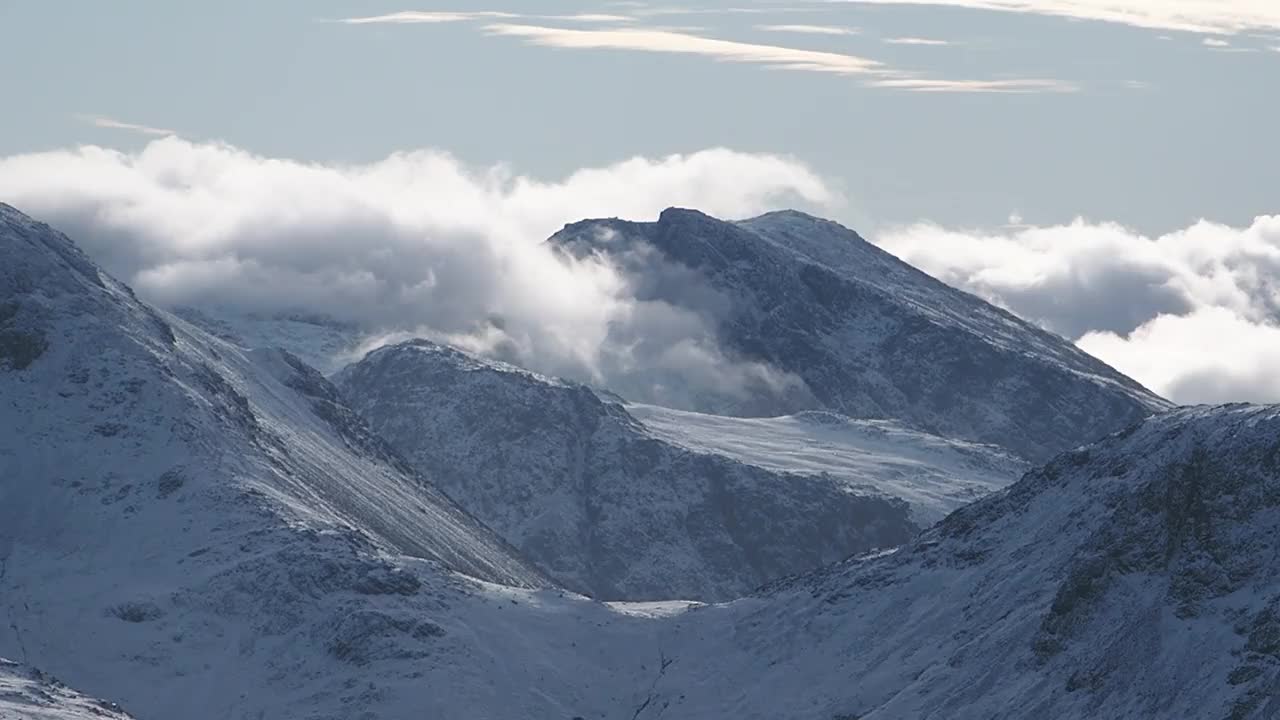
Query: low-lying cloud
[
  {"x": 416, "y": 244},
  {"x": 1193, "y": 314}
]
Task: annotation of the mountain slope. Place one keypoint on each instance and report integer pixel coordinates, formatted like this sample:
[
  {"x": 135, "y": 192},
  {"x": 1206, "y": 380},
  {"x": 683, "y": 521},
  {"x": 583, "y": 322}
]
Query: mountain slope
[
  {"x": 869, "y": 335},
  {"x": 617, "y": 510},
  {"x": 934, "y": 475},
  {"x": 169, "y": 499},
  {"x": 28, "y": 694},
  {"x": 1136, "y": 578}
]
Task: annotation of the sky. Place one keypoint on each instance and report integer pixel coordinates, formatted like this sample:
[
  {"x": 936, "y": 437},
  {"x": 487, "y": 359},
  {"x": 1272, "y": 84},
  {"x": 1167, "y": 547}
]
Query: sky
[{"x": 1106, "y": 168}]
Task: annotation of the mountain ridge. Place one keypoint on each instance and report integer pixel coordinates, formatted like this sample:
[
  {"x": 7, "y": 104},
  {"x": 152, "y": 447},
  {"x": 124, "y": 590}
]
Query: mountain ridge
[
  {"x": 869, "y": 335},
  {"x": 170, "y": 538},
  {"x": 573, "y": 478}
]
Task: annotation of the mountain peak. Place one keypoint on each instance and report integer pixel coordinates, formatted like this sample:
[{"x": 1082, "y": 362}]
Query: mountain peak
[{"x": 869, "y": 335}]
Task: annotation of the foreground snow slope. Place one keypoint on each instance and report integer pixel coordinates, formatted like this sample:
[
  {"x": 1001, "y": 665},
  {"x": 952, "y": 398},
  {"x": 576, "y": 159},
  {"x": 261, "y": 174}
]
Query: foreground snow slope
[
  {"x": 29, "y": 694},
  {"x": 868, "y": 335},
  {"x": 617, "y": 511}
]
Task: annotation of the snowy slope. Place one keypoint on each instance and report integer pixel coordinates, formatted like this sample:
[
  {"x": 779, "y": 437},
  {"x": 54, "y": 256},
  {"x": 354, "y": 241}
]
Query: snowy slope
[
  {"x": 869, "y": 335},
  {"x": 611, "y": 509},
  {"x": 29, "y": 694},
  {"x": 1136, "y": 578},
  {"x": 322, "y": 342},
  {"x": 934, "y": 475}
]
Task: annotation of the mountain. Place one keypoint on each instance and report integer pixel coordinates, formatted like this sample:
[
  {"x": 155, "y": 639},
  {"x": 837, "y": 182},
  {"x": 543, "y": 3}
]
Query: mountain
[
  {"x": 29, "y": 694},
  {"x": 199, "y": 548},
  {"x": 617, "y": 510},
  {"x": 1135, "y": 578},
  {"x": 869, "y": 335},
  {"x": 162, "y": 491}
]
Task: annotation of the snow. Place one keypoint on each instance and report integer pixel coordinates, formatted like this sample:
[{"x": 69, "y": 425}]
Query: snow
[
  {"x": 934, "y": 474},
  {"x": 29, "y": 694}
]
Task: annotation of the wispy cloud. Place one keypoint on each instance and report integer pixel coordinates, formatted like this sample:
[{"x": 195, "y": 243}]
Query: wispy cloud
[
  {"x": 663, "y": 41},
  {"x": 811, "y": 29},
  {"x": 642, "y": 10},
  {"x": 772, "y": 56},
  {"x": 1224, "y": 17},
  {"x": 592, "y": 17},
  {"x": 1216, "y": 42},
  {"x": 103, "y": 121},
  {"x": 914, "y": 41},
  {"x": 413, "y": 17},
  {"x": 1016, "y": 86},
  {"x": 430, "y": 17}
]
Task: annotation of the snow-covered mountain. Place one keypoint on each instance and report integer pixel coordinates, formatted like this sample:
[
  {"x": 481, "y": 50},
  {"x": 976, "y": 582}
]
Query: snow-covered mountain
[
  {"x": 152, "y": 476},
  {"x": 199, "y": 532},
  {"x": 697, "y": 507},
  {"x": 29, "y": 694},
  {"x": 869, "y": 335},
  {"x": 1135, "y": 578}
]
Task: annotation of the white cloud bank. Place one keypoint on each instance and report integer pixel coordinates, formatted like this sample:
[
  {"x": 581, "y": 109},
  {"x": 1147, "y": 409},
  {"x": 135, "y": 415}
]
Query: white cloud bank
[
  {"x": 416, "y": 243},
  {"x": 420, "y": 244},
  {"x": 1200, "y": 16},
  {"x": 1194, "y": 314}
]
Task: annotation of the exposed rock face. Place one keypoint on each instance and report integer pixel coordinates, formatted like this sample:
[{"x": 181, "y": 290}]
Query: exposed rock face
[
  {"x": 868, "y": 335},
  {"x": 597, "y": 500}
]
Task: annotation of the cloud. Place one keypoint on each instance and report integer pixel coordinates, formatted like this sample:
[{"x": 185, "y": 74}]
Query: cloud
[
  {"x": 914, "y": 41},
  {"x": 103, "y": 121},
  {"x": 1216, "y": 42},
  {"x": 644, "y": 10},
  {"x": 1016, "y": 86},
  {"x": 770, "y": 56},
  {"x": 593, "y": 17},
  {"x": 1210, "y": 355},
  {"x": 1192, "y": 314},
  {"x": 414, "y": 17},
  {"x": 664, "y": 41},
  {"x": 416, "y": 243},
  {"x": 1225, "y": 17},
  {"x": 811, "y": 29}
]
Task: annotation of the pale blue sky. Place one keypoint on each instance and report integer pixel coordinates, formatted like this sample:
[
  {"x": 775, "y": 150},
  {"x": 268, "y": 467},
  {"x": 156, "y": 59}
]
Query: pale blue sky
[{"x": 1161, "y": 128}]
